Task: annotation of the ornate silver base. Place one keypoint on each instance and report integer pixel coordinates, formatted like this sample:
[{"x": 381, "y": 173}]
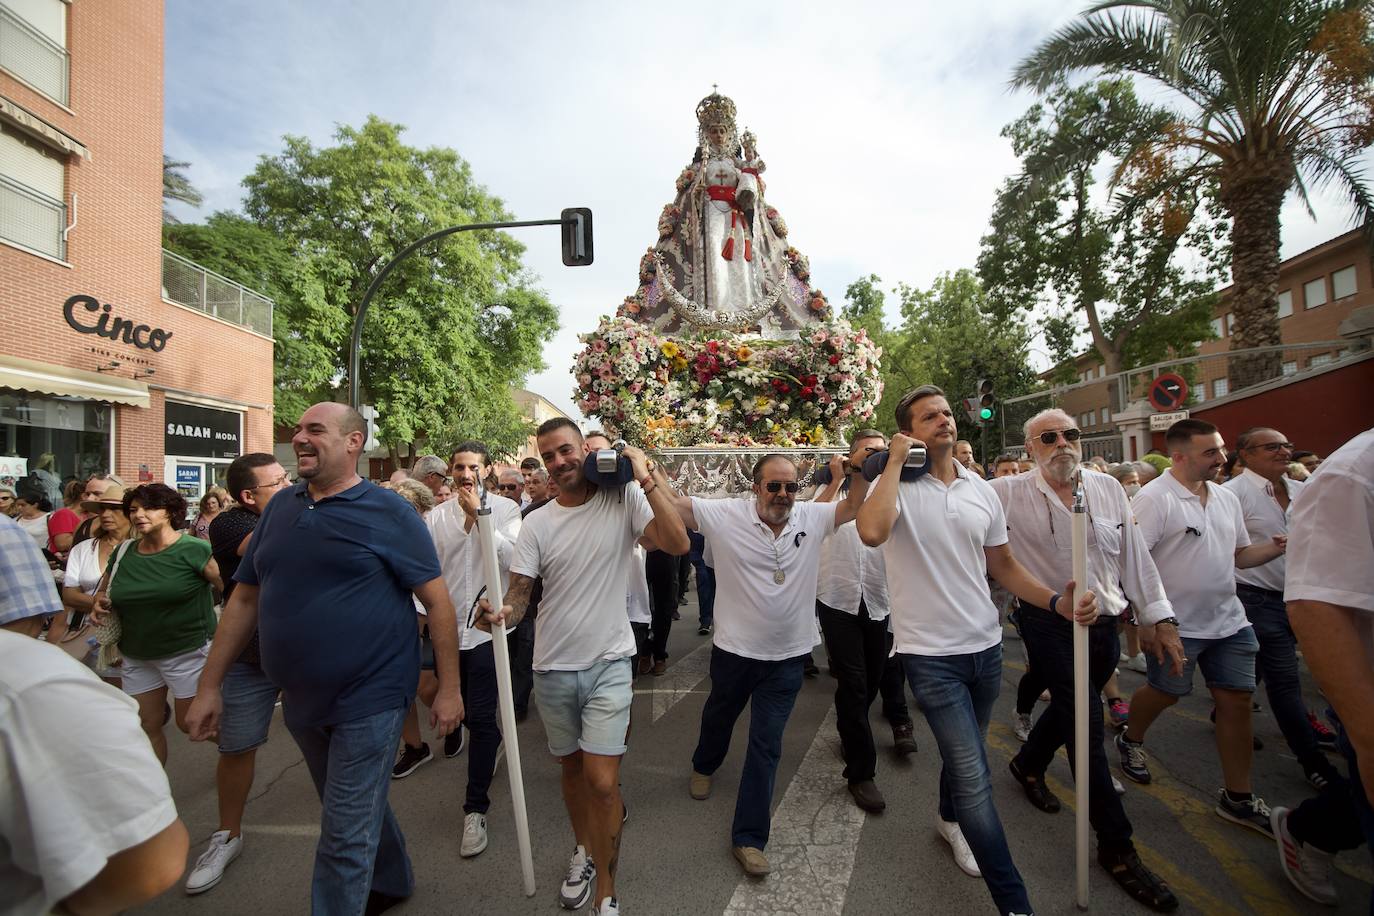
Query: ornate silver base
[{"x": 725, "y": 472}]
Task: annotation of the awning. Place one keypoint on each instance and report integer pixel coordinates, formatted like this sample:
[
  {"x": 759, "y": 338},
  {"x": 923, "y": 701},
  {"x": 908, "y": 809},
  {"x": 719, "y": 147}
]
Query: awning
[
  {"x": 20, "y": 116},
  {"x": 44, "y": 378}
]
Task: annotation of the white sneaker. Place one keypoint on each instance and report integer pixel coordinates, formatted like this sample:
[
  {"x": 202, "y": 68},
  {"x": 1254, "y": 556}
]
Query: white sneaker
[
  {"x": 577, "y": 886},
  {"x": 474, "y": 835},
  {"x": 213, "y": 861},
  {"x": 963, "y": 856},
  {"x": 609, "y": 907},
  {"x": 1308, "y": 868},
  {"x": 1021, "y": 725},
  {"x": 1136, "y": 663}
]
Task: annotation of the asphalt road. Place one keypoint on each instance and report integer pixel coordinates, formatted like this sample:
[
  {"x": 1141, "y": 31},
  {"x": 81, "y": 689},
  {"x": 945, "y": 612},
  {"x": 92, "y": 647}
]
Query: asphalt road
[{"x": 828, "y": 856}]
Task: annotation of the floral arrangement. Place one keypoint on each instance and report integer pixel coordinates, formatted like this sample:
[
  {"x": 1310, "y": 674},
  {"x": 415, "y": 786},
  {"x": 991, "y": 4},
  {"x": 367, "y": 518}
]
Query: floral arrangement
[{"x": 727, "y": 389}]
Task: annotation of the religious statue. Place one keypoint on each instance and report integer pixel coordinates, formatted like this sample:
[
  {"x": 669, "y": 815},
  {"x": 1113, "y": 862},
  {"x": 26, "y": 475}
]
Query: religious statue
[{"x": 724, "y": 343}]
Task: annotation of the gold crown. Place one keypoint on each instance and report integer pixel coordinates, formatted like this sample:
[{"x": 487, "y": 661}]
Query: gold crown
[{"x": 715, "y": 109}]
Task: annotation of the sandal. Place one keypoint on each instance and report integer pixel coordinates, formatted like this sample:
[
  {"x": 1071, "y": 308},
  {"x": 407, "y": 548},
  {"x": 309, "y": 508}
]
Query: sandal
[{"x": 1138, "y": 881}]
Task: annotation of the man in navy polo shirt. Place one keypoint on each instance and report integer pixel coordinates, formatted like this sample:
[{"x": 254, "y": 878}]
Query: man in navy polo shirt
[{"x": 327, "y": 582}]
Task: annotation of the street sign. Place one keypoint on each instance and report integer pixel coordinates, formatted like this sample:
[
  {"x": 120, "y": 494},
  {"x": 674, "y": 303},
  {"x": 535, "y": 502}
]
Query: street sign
[
  {"x": 1162, "y": 421},
  {"x": 1168, "y": 392}
]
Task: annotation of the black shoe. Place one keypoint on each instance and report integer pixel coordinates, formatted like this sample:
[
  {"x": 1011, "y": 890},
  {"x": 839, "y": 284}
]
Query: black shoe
[
  {"x": 867, "y": 796},
  {"x": 411, "y": 759},
  {"x": 677, "y": 616},
  {"x": 811, "y": 670},
  {"x": 904, "y": 740},
  {"x": 521, "y": 713},
  {"x": 1139, "y": 882},
  {"x": 704, "y": 630},
  {"x": 377, "y": 902},
  {"x": 1036, "y": 790},
  {"x": 455, "y": 741}
]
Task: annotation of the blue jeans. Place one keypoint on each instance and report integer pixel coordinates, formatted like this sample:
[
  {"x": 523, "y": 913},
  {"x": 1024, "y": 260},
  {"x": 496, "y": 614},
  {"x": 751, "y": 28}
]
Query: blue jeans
[
  {"x": 956, "y": 694},
  {"x": 770, "y": 689},
  {"x": 361, "y": 848},
  {"x": 1278, "y": 660}
]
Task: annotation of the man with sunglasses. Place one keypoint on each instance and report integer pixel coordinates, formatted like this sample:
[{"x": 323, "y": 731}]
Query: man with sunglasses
[
  {"x": 1195, "y": 530},
  {"x": 510, "y": 483},
  {"x": 1266, "y": 493},
  {"x": 942, "y": 534},
  {"x": 1040, "y": 527},
  {"x": 765, "y": 550}
]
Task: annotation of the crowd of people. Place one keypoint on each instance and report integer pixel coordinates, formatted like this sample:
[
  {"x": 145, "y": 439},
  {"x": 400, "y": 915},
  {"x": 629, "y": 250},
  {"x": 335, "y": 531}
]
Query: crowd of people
[{"x": 1197, "y": 557}]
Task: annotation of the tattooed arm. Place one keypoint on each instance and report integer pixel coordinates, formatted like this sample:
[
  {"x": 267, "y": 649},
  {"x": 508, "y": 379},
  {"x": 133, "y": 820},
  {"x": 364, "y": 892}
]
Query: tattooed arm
[{"x": 513, "y": 611}]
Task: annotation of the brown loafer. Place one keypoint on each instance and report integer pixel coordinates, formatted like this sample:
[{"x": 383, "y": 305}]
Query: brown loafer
[
  {"x": 754, "y": 862},
  {"x": 904, "y": 740},
  {"x": 867, "y": 796},
  {"x": 659, "y": 667},
  {"x": 700, "y": 786}
]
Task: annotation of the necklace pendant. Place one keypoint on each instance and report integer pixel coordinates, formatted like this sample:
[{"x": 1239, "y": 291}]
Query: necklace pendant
[{"x": 779, "y": 576}]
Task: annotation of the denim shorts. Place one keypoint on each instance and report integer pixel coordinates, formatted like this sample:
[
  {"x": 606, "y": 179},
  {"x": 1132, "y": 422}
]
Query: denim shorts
[
  {"x": 1227, "y": 663},
  {"x": 586, "y": 710},
  {"x": 249, "y": 700}
]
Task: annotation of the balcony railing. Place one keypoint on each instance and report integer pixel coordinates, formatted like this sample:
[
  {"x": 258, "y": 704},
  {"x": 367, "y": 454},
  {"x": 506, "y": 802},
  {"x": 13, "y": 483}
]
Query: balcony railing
[
  {"x": 187, "y": 283},
  {"x": 32, "y": 220},
  {"x": 33, "y": 57}
]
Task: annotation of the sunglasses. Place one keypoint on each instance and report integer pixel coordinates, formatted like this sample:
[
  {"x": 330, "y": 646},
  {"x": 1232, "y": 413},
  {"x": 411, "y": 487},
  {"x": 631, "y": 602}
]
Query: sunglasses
[
  {"x": 774, "y": 486},
  {"x": 1272, "y": 448},
  {"x": 508, "y": 486},
  {"x": 1051, "y": 436}
]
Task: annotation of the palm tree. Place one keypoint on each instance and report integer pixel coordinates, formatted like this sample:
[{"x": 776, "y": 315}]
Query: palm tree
[
  {"x": 176, "y": 186},
  {"x": 1271, "y": 96}
]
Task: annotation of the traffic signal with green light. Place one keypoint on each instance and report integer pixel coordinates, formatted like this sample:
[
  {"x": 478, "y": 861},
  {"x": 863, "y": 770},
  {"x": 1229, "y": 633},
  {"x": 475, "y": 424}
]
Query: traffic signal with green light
[{"x": 987, "y": 401}]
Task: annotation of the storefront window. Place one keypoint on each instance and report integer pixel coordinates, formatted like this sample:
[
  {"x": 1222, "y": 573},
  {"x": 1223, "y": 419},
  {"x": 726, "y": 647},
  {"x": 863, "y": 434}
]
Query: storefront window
[{"x": 57, "y": 438}]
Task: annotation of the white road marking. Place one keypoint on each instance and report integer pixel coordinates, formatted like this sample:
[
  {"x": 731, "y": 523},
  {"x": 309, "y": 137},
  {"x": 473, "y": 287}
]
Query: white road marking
[
  {"x": 308, "y": 830},
  {"x": 681, "y": 679},
  {"x": 813, "y": 840}
]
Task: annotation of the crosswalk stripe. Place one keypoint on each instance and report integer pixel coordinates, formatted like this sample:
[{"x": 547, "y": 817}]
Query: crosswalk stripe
[
  {"x": 813, "y": 841},
  {"x": 681, "y": 679}
]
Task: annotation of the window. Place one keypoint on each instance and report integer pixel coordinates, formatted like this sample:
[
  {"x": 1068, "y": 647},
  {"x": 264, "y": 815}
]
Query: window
[
  {"x": 33, "y": 44},
  {"x": 1216, "y": 327},
  {"x": 1092, "y": 417},
  {"x": 1321, "y": 359},
  {"x": 1343, "y": 282},
  {"x": 1221, "y": 387},
  {"x": 1285, "y": 303},
  {"x": 1101, "y": 371},
  {"x": 32, "y": 213},
  {"x": 1314, "y": 293},
  {"x": 1230, "y": 320},
  {"x": 1200, "y": 393},
  {"x": 1290, "y": 367},
  {"x": 1106, "y": 415}
]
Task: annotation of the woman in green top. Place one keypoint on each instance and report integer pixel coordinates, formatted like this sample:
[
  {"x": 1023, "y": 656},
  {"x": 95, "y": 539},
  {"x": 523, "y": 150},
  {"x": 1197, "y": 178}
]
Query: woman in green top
[{"x": 160, "y": 586}]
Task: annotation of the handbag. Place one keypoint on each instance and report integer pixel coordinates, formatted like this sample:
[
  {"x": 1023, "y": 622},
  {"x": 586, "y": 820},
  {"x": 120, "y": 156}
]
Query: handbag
[{"x": 108, "y": 633}]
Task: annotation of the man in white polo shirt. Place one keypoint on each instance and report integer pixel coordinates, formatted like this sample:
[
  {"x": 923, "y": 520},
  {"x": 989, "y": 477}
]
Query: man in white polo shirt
[
  {"x": 582, "y": 545},
  {"x": 942, "y": 534},
  {"x": 1040, "y": 526},
  {"x": 1266, "y": 492},
  {"x": 1196, "y": 534},
  {"x": 765, "y": 552},
  {"x": 851, "y": 602}
]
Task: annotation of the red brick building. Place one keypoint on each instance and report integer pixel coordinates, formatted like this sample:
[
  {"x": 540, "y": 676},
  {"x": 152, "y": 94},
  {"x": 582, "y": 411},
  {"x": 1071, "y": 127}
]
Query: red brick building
[{"x": 116, "y": 356}]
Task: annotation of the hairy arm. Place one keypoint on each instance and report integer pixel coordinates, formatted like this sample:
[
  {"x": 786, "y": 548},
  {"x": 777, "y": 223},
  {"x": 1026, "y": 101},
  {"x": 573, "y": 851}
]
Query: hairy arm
[{"x": 516, "y": 603}]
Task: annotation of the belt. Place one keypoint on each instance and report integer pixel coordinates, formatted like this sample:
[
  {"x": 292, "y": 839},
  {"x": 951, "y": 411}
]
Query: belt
[
  {"x": 1103, "y": 620},
  {"x": 1267, "y": 592}
]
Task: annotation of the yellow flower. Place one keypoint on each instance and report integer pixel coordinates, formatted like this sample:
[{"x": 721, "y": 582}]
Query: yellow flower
[
  {"x": 727, "y": 404},
  {"x": 679, "y": 362},
  {"x": 669, "y": 349},
  {"x": 762, "y": 400},
  {"x": 743, "y": 353}
]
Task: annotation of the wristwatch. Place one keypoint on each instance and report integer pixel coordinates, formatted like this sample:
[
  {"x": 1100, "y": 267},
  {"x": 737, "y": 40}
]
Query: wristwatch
[{"x": 1171, "y": 621}]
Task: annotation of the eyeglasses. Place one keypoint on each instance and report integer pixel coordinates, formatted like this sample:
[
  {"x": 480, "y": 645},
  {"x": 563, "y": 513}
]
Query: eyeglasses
[
  {"x": 1272, "y": 448},
  {"x": 1049, "y": 437},
  {"x": 774, "y": 486},
  {"x": 279, "y": 482}
]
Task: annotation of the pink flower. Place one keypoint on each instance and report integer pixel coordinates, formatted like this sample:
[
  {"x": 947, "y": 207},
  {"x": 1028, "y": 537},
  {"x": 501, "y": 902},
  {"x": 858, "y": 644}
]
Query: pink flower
[
  {"x": 584, "y": 379},
  {"x": 636, "y": 387},
  {"x": 605, "y": 373},
  {"x": 599, "y": 345}
]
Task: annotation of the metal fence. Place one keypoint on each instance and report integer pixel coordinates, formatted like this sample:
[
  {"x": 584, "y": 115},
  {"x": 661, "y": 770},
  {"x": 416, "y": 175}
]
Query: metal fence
[
  {"x": 32, "y": 220},
  {"x": 187, "y": 283},
  {"x": 33, "y": 56}
]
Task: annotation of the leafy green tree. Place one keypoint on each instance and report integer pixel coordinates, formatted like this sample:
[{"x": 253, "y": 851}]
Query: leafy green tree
[
  {"x": 1273, "y": 95},
  {"x": 1055, "y": 248},
  {"x": 176, "y": 186},
  {"x": 453, "y": 327}
]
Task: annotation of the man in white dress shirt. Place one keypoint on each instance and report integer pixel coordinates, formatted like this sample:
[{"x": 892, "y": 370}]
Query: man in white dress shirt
[
  {"x": 942, "y": 534},
  {"x": 765, "y": 552},
  {"x": 1266, "y": 492},
  {"x": 1039, "y": 525},
  {"x": 851, "y": 602},
  {"x": 1196, "y": 535},
  {"x": 453, "y": 525}
]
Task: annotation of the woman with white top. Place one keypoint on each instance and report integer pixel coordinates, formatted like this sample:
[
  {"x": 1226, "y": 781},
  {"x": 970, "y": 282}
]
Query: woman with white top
[{"x": 86, "y": 563}]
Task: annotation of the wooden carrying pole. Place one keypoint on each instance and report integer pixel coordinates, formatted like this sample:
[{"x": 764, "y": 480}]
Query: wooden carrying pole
[
  {"x": 1081, "y": 690},
  {"x": 491, "y": 569}
]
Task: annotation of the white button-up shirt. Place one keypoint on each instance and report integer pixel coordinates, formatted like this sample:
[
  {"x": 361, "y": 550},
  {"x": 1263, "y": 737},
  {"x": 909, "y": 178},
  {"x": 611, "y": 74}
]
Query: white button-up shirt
[
  {"x": 756, "y": 616},
  {"x": 460, "y": 558},
  {"x": 1264, "y": 518},
  {"x": 1194, "y": 548},
  {"x": 851, "y": 572},
  {"x": 1040, "y": 527},
  {"x": 1331, "y": 540}
]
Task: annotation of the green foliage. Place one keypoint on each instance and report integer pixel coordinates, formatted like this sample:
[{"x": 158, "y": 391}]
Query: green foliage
[
  {"x": 452, "y": 328},
  {"x": 176, "y": 186},
  {"x": 1108, "y": 269}
]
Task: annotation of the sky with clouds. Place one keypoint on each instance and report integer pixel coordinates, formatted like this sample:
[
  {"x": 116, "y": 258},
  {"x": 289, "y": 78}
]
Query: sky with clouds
[{"x": 879, "y": 121}]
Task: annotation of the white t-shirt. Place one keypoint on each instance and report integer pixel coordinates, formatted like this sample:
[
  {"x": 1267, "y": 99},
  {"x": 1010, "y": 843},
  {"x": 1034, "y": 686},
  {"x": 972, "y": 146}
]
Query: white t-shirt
[
  {"x": 460, "y": 559},
  {"x": 637, "y": 598},
  {"x": 36, "y": 528},
  {"x": 1331, "y": 536},
  {"x": 64, "y": 735},
  {"x": 1264, "y": 518},
  {"x": 1194, "y": 550},
  {"x": 852, "y": 571},
  {"x": 584, "y": 554},
  {"x": 936, "y": 568},
  {"x": 755, "y": 615},
  {"x": 83, "y": 566}
]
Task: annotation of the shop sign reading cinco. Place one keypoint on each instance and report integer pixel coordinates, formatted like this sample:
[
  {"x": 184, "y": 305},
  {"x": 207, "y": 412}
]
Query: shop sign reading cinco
[{"x": 142, "y": 336}]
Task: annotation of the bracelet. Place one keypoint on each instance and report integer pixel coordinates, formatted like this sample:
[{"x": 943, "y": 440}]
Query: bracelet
[
  {"x": 1054, "y": 602},
  {"x": 648, "y": 478},
  {"x": 649, "y": 489}
]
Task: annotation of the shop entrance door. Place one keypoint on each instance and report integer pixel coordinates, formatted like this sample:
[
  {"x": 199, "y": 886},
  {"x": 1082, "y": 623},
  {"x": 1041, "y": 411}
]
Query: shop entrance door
[{"x": 188, "y": 477}]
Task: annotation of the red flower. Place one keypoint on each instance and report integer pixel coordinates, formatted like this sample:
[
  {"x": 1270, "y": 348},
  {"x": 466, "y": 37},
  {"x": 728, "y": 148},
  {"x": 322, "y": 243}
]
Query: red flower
[
  {"x": 834, "y": 360},
  {"x": 713, "y": 346},
  {"x": 808, "y": 392}
]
